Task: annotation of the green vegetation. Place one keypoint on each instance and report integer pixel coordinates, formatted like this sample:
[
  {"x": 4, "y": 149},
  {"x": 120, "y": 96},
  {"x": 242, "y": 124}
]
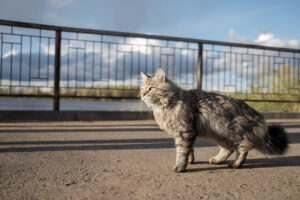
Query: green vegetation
[
  {"x": 281, "y": 85},
  {"x": 275, "y": 107},
  {"x": 96, "y": 92},
  {"x": 104, "y": 92}
]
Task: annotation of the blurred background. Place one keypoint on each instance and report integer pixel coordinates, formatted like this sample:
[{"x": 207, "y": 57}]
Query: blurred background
[{"x": 248, "y": 50}]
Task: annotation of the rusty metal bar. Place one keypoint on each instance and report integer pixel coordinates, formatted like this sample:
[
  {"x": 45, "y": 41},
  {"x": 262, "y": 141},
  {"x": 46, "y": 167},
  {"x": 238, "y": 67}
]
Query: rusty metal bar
[
  {"x": 56, "y": 96},
  {"x": 200, "y": 65}
]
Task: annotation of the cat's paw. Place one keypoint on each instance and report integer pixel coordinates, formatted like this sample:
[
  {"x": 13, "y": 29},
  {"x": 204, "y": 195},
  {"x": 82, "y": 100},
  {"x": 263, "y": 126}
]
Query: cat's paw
[
  {"x": 234, "y": 165},
  {"x": 191, "y": 160},
  {"x": 178, "y": 169},
  {"x": 213, "y": 161}
]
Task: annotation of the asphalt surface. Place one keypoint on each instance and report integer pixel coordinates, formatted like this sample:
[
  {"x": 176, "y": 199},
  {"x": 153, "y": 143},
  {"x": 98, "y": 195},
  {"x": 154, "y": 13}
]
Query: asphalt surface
[{"x": 132, "y": 160}]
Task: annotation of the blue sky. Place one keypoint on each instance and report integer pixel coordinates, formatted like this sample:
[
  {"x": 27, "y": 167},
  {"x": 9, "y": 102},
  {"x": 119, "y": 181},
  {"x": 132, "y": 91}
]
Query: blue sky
[{"x": 266, "y": 22}]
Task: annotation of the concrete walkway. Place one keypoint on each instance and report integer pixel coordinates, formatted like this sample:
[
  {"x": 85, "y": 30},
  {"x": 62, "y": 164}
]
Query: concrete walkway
[{"x": 132, "y": 160}]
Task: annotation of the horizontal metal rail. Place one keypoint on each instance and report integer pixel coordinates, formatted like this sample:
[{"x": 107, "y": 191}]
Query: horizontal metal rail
[{"x": 140, "y": 35}]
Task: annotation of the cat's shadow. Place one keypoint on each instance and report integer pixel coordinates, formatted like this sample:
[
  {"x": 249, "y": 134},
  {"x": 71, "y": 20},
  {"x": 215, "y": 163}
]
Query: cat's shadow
[
  {"x": 199, "y": 162},
  {"x": 290, "y": 161}
]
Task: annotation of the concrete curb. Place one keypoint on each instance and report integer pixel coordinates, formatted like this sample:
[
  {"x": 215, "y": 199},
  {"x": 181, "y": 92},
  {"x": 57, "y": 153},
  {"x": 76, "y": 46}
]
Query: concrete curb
[
  {"x": 12, "y": 116},
  {"x": 101, "y": 115},
  {"x": 73, "y": 115}
]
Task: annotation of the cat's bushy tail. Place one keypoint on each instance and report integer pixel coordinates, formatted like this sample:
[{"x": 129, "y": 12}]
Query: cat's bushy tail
[{"x": 276, "y": 140}]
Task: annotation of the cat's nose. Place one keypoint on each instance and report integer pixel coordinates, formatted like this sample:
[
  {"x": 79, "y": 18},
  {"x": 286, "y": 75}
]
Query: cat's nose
[{"x": 143, "y": 94}]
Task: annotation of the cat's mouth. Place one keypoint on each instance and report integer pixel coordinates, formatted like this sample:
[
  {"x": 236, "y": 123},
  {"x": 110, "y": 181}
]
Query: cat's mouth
[
  {"x": 144, "y": 98},
  {"x": 147, "y": 100}
]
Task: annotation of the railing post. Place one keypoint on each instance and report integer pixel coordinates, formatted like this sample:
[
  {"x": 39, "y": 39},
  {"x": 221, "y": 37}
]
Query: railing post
[
  {"x": 56, "y": 96},
  {"x": 199, "y": 71}
]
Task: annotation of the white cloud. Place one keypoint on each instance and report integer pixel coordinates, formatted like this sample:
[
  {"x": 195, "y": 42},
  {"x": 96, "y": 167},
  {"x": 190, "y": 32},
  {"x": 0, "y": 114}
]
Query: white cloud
[
  {"x": 269, "y": 39},
  {"x": 10, "y": 53},
  {"x": 48, "y": 49},
  {"x": 234, "y": 37},
  {"x": 265, "y": 38}
]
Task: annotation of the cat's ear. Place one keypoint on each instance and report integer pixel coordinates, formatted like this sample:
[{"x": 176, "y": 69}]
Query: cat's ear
[
  {"x": 144, "y": 77},
  {"x": 160, "y": 75}
]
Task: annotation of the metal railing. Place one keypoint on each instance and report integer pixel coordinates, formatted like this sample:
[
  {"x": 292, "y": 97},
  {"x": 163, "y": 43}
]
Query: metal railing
[{"x": 38, "y": 60}]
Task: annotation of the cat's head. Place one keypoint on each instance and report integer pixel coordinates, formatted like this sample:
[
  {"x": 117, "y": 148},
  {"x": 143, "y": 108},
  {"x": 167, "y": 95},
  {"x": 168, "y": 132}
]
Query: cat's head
[{"x": 157, "y": 90}]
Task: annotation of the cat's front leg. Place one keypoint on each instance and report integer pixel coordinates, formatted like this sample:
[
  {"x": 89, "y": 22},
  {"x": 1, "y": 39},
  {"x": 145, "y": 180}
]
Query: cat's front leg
[
  {"x": 191, "y": 157},
  {"x": 184, "y": 145}
]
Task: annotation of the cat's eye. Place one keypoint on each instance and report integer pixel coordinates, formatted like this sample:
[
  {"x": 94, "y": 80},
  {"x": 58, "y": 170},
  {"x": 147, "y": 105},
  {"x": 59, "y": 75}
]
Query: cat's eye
[{"x": 150, "y": 88}]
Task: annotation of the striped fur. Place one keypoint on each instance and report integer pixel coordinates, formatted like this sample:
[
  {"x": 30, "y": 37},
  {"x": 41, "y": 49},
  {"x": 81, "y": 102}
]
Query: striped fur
[{"x": 231, "y": 123}]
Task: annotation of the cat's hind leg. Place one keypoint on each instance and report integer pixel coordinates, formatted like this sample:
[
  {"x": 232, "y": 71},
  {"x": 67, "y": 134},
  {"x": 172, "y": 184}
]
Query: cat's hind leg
[
  {"x": 240, "y": 159},
  {"x": 221, "y": 157},
  {"x": 241, "y": 154}
]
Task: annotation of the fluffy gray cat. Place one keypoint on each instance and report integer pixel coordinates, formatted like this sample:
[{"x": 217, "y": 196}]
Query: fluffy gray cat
[{"x": 231, "y": 123}]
